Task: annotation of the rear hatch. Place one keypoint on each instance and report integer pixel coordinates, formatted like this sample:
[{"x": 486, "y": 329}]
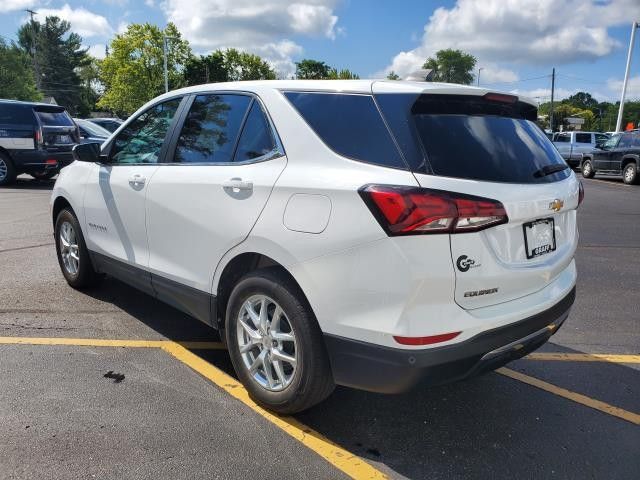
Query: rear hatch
[
  {"x": 487, "y": 145},
  {"x": 59, "y": 133}
]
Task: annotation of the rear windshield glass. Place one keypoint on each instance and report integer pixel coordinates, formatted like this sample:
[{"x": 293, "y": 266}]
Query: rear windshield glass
[
  {"x": 473, "y": 138},
  {"x": 54, "y": 118},
  {"x": 350, "y": 125}
]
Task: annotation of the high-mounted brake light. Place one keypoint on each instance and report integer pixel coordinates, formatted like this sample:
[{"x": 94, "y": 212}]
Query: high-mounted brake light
[
  {"x": 501, "y": 97},
  {"x": 410, "y": 210}
]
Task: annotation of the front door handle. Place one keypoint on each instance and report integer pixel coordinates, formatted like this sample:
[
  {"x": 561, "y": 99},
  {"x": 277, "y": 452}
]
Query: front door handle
[
  {"x": 137, "y": 180},
  {"x": 238, "y": 184}
]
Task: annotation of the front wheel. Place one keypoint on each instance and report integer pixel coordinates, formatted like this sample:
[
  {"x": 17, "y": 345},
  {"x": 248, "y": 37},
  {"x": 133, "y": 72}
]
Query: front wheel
[
  {"x": 72, "y": 252},
  {"x": 587, "y": 169},
  {"x": 275, "y": 343},
  {"x": 630, "y": 174}
]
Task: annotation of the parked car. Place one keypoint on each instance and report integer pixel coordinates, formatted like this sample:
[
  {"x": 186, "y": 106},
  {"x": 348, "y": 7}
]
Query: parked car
[
  {"x": 35, "y": 138},
  {"x": 619, "y": 155},
  {"x": 572, "y": 145},
  {"x": 90, "y": 132},
  {"x": 303, "y": 220},
  {"x": 111, "y": 124}
]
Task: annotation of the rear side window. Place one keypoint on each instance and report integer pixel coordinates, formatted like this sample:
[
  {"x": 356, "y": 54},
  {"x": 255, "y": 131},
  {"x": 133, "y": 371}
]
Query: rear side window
[
  {"x": 483, "y": 139},
  {"x": 256, "y": 139},
  {"x": 211, "y": 129},
  {"x": 54, "y": 118},
  {"x": 16, "y": 114},
  {"x": 350, "y": 125},
  {"x": 583, "y": 138}
]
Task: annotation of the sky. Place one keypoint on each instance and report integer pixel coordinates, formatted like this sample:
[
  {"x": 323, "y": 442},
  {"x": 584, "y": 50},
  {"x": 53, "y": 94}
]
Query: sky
[{"x": 516, "y": 42}]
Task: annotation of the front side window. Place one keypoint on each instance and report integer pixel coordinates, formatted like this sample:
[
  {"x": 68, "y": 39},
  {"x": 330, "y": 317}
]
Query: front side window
[
  {"x": 141, "y": 140},
  {"x": 211, "y": 129},
  {"x": 583, "y": 138},
  {"x": 562, "y": 138}
]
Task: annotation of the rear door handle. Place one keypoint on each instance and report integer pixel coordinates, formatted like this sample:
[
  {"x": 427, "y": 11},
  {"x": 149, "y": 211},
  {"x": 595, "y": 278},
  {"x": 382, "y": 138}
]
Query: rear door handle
[
  {"x": 137, "y": 180},
  {"x": 238, "y": 184}
]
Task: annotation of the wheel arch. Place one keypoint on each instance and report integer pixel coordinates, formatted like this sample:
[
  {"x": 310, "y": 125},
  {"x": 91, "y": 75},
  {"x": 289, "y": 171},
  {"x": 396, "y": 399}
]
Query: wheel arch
[
  {"x": 59, "y": 204},
  {"x": 627, "y": 159}
]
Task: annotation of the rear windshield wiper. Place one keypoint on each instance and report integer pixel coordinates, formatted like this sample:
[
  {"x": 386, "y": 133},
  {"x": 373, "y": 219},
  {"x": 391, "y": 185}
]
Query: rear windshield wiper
[{"x": 549, "y": 169}]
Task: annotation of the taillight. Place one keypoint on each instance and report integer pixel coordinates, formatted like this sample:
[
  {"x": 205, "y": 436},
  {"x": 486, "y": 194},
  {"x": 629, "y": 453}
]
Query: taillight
[
  {"x": 580, "y": 192},
  {"x": 37, "y": 136},
  {"x": 411, "y": 210}
]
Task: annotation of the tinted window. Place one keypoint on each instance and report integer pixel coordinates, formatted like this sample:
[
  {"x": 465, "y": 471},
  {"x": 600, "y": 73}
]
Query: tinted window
[
  {"x": 583, "y": 138},
  {"x": 486, "y": 147},
  {"x": 626, "y": 140},
  {"x": 350, "y": 125},
  {"x": 142, "y": 139},
  {"x": 54, "y": 118},
  {"x": 256, "y": 139},
  {"x": 16, "y": 114},
  {"x": 90, "y": 129},
  {"x": 211, "y": 129},
  {"x": 636, "y": 140}
]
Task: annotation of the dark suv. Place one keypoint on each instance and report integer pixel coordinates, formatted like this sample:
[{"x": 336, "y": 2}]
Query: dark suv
[
  {"x": 619, "y": 155},
  {"x": 35, "y": 138}
]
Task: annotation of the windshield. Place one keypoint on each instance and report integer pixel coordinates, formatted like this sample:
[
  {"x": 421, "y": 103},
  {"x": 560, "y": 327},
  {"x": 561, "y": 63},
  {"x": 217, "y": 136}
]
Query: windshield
[
  {"x": 611, "y": 142},
  {"x": 92, "y": 129}
]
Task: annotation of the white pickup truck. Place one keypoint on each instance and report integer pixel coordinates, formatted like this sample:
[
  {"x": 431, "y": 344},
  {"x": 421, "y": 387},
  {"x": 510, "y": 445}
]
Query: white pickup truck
[{"x": 572, "y": 145}]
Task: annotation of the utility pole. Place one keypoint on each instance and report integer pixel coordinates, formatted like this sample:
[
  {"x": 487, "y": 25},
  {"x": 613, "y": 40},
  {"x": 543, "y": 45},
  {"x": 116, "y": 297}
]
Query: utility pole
[
  {"x": 634, "y": 25},
  {"x": 36, "y": 69},
  {"x": 553, "y": 88},
  {"x": 166, "y": 73},
  {"x": 479, "y": 70}
]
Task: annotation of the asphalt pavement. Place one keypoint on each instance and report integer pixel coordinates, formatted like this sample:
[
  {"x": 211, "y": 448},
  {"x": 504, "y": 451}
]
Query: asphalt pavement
[{"x": 165, "y": 411}]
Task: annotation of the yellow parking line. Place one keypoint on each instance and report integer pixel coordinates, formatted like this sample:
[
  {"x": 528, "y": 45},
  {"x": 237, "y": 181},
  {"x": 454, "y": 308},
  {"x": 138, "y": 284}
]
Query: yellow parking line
[
  {"x": 82, "y": 342},
  {"x": 337, "y": 456},
  {"x": 573, "y": 396},
  {"x": 583, "y": 357}
]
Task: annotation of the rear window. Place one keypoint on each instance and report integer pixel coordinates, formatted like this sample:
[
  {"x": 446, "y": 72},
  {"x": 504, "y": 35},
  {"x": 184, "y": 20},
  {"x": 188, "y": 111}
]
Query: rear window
[
  {"x": 349, "y": 124},
  {"x": 54, "y": 118},
  {"x": 475, "y": 138}
]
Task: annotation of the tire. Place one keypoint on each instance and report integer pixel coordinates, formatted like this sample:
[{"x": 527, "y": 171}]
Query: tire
[
  {"x": 292, "y": 387},
  {"x": 44, "y": 175},
  {"x": 630, "y": 174},
  {"x": 7, "y": 170},
  {"x": 77, "y": 270},
  {"x": 587, "y": 169}
]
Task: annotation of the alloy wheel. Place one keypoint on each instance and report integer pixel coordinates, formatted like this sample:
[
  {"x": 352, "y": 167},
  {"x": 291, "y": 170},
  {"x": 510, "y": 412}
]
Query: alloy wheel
[
  {"x": 267, "y": 343},
  {"x": 3, "y": 169},
  {"x": 629, "y": 174},
  {"x": 69, "y": 248}
]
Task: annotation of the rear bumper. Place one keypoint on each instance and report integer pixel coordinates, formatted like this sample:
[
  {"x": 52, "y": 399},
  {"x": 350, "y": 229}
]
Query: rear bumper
[
  {"x": 390, "y": 370},
  {"x": 35, "y": 160}
]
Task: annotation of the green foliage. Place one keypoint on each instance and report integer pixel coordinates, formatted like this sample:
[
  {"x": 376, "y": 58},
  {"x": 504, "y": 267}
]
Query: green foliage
[
  {"x": 246, "y": 66},
  {"x": 393, "y": 76},
  {"x": 59, "y": 54},
  {"x": 452, "y": 66},
  {"x": 133, "y": 73},
  {"x": 16, "y": 74},
  {"x": 206, "y": 69},
  {"x": 309, "y": 69},
  {"x": 344, "y": 74}
]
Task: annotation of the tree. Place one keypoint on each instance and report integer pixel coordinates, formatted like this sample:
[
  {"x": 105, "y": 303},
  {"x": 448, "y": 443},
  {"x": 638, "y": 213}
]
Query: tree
[
  {"x": 309, "y": 69},
  {"x": 206, "y": 69},
  {"x": 16, "y": 74},
  {"x": 133, "y": 72},
  {"x": 452, "y": 66},
  {"x": 59, "y": 54},
  {"x": 344, "y": 74},
  {"x": 91, "y": 86},
  {"x": 582, "y": 100},
  {"x": 246, "y": 66},
  {"x": 393, "y": 76}
]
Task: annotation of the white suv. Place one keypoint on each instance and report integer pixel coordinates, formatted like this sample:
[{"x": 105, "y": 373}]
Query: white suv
[{"x": 373, "y": 234}]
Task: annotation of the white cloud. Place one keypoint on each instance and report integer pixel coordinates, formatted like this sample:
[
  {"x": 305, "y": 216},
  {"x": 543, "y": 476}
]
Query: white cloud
[
  {"x": 97, "y": 51},
  {"x": 83, "y": 22},
  {"x": 521, "y": 31},
  {"x": 122, "y": 27},
  {"x": 633, "y": 87},
  {"x": 263, "y": 27},
  {"x": 150, "y": 3},
  {"x": 13, "y": 5}
]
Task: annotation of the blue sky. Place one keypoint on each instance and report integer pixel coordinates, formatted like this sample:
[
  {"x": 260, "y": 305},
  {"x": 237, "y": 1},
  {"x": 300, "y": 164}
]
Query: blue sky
[{"x": 517, "y": 42}]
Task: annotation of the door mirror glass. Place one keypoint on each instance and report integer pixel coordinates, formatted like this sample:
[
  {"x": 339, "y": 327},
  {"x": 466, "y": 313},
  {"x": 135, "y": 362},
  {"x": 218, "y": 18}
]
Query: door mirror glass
[{"x": 87, "y": 152}]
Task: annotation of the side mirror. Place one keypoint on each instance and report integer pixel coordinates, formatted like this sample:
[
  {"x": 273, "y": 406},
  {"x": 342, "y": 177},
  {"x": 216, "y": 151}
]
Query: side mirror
[{"x": 88, "y": 152}]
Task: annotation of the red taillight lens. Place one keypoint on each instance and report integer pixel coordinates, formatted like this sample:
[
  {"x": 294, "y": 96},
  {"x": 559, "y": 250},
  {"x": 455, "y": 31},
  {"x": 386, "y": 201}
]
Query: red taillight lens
[
  {"x": 580, "y": 193},
  {"x": 37, "y": 136},
  {"x": 409, "y": 211},
  {"x": 444, "y": 337}
]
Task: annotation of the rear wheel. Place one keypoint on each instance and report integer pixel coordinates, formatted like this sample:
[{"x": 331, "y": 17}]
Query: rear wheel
[
  {"x": 630, "y": 174},
  {"x": 44, "y": 175},
  {"x": 7, "y": 171},
  {"x": 73, "y": 255},
  {"x": 587, "y": 169},
  {"x": 275, "y": 343}
]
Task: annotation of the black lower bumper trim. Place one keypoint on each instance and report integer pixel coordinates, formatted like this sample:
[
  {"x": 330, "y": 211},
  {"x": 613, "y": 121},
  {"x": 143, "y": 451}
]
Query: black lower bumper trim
[{"x": 392, "y": 370}]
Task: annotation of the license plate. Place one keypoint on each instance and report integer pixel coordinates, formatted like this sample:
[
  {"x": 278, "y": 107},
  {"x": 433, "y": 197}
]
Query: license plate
[
  {"x": 539, "y": 237},
  {"x": 64, "y": 139}
]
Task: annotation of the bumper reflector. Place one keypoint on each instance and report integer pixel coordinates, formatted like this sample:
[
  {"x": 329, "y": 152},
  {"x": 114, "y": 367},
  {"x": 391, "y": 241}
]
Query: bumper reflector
[
  {"x": 51, "y": 161},
  {"x": 426, "y": 340}
]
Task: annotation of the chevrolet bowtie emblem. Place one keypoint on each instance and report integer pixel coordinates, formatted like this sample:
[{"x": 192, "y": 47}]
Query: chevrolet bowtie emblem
[{"x": 556, "y": 205}]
